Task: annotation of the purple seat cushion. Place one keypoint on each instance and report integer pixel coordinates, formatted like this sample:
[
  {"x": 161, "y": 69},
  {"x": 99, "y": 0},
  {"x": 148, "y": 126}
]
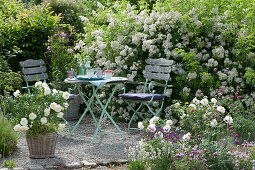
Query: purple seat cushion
[{"x": 141, "y": 96}]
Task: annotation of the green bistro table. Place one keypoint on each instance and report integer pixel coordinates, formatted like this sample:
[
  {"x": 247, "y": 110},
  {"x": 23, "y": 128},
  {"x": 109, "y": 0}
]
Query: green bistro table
[{"x": 96, "y": 85}]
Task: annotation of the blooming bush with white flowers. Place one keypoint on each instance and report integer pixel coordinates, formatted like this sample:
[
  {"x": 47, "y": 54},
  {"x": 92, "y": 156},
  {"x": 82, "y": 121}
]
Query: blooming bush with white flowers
[
  {"x": 39, "y": 112},
  {"x": 203, "y": 117},
  {"x": 208, "y": 45}
]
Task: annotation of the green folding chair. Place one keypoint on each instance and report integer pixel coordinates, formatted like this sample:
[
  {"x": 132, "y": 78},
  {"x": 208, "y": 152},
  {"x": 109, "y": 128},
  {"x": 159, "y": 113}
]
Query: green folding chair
[
  {"x": 157, "y": 70},
  {"x": 33, "y": 70}
]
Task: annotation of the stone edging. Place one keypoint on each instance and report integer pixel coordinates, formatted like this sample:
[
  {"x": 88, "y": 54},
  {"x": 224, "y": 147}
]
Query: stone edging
[{"x": 82, "y": 164}]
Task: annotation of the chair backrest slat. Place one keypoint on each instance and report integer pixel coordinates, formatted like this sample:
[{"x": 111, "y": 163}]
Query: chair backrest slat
[
  {"x": 35, "y": 77},
  {"x": 34, "y": 70},
  {"x": 31, "y": 63},
  {"x": 159, "y": 76},
  {"x": 160, "y": 61},
  {"x": 158, "y": 69}
]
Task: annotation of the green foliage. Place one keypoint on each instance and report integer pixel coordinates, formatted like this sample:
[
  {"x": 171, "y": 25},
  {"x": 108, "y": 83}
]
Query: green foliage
[
  {"x": 9, "y": 80},
  {"x": 136, "y": 165},
  {"x": 69, "y": 10},
  {"x": 60, "y": 52},
  {"x": 41, "y": 129},
  {"x": 8, "y": 137},
  {"x": 39, "y": 112},
  {"x": 9, "y": 164},
  {"x": 250, "y": 76},
  {"x": 25, "y": 28}
]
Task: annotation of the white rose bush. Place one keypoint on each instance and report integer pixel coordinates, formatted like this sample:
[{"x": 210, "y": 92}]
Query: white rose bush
[
  {"x": 206, "y": 55},
  {"x": 39, "y": 112}
]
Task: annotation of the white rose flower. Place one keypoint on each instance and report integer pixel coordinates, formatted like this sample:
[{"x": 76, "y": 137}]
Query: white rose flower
[
  {"x": 47, "y": 111},
  {"x": 38, "y": 84},
  {"x": 159, "y": 134},
  {"x": 228, "y": 119},
  {"x": 32, "y": 116},
  {"x": 43, "y": 120},
  {"x": 23, "y": 121},
  {"x": 53, "y": 105},
  {"x": 55, "y": 91},
  {"x": 24, "y": 128},
  {"x": 61, "y": 126},
  {"x": 66, "y": 105},
  {"x": 177, "y": 105},
  {"x": 16, "y": 93},
  {"x": 44, "y": 85},
  {"x": 182, "y": 116},
  {"x": 221, "y": 109},
  {"x": 58, "y": 108},
  {"x": 166, "y": 128},
  {"x": 193, "y": 106},
  {"x": 195, "y": 100},
  {"x": 66, "y": 95},
  {"x": 154, "y": 120},
  {"x": 186, "y": 136},
  {"x": 151, "y": 127},
  {"x": 169, "y": 122},
  {"x": 213, "y": 100},
  {"x": 60, "y": 114},
  {"x": 47, "y": 90},
  {"x": 17, "y": 127},
  {"x": 140, "y": 125},
  {"x": 213, "y": 123},
  {"x": 204, "y": 101}
]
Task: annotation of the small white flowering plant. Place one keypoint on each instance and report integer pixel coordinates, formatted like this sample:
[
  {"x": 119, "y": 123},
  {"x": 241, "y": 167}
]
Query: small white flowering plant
[
  {"x": 39, "y": 112},
  {"x": 204, "y": 118},
  {"x": 156, "y": 130}
]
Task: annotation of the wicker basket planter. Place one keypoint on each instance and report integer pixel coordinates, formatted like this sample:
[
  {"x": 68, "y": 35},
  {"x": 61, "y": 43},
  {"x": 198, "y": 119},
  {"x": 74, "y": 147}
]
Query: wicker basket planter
[
  {"x": 42, "y": 146},
  {"x": 72, "y": 112}
]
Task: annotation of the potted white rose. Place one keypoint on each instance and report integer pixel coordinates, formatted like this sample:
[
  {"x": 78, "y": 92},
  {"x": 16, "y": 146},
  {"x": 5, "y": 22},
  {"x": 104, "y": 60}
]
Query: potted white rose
[{"x": 39, "y": 115}]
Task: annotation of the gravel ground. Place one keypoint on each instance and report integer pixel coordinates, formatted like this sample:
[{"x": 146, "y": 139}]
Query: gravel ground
[{"x": 107, "y": 148}]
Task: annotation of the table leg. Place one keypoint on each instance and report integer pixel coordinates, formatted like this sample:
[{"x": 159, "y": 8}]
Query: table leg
[
  {"x": 88, "y": 104},
  {"x": 105, "y": 112}
]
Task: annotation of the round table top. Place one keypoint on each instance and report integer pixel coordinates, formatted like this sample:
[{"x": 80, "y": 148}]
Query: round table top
[{"x": 88, "y": 81}]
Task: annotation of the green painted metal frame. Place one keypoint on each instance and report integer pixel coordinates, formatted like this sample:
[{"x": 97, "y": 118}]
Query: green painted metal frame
[
  {"x": 88, "y": 102},
  {"x": 147, "y": 85}
]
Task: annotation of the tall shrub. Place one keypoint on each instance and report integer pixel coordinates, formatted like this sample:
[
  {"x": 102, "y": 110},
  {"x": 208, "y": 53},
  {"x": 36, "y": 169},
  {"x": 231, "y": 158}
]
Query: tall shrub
[
  {"x": 211, "y": 43},
  {"x": 26, "y": 28}
]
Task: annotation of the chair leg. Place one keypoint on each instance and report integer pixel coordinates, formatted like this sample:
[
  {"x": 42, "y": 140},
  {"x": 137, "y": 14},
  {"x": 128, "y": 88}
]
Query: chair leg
[
  {"x": 155, "y": 113},
  {"x": 135, "y": 112}
]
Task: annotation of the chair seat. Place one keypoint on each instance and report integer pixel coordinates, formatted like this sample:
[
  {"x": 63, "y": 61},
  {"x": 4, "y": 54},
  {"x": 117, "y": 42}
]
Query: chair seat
[{"x": 141, "y": 96}]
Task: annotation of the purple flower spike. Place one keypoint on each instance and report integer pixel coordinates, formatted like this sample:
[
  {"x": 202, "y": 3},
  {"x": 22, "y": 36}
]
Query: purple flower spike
[
  {"x": 225, "y": 71},
  {"x": 63, "y": 34},
  {"x": 215, "y": 154},
  {"x": 49, "y": 40},
  {"x": 232, "y": 97},
  {"x": 55, "y": 35},
  {"x": 215, "y": 69},
  {"x": 239, "y": 97},
  {"x": 70, "y": 50},
  {"x": 198, "y": 136},
  {"x": 49, "y": 48}
]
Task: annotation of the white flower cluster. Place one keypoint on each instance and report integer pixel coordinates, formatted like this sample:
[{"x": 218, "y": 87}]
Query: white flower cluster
[
  {"x": 53, "y": 109},
  {"x": 128, "y": 36}
]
